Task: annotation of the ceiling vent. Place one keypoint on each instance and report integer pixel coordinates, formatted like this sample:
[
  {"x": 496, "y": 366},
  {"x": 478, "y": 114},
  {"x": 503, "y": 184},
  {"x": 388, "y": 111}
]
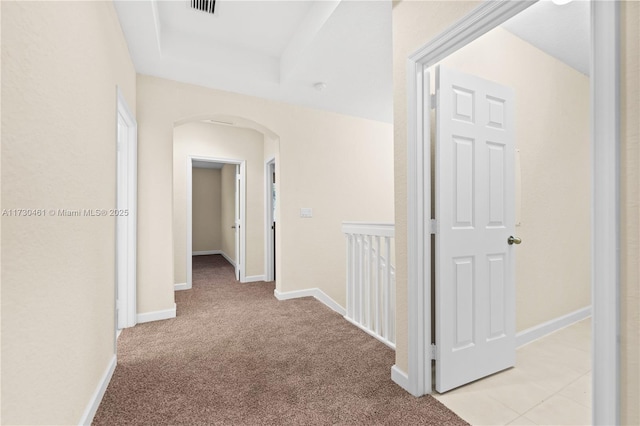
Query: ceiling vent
[{"x": 208, "y": 6}]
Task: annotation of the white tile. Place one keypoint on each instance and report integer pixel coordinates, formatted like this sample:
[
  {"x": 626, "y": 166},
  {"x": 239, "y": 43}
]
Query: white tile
[
  {"x": 520, "y": 397},
  {"x": 552, "y": 365},
  {"x": 477, "y": 408},
  {"x": 522, "y": 421},
  {"x": 579, "y": 391},
  {"x": 577, "y": 336},
  {"x": 550, "y": 385},
  {"x": 560, "y": 410}
]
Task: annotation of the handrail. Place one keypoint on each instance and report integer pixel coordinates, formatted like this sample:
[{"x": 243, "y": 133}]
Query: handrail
[{"x": 366, "y": 228}]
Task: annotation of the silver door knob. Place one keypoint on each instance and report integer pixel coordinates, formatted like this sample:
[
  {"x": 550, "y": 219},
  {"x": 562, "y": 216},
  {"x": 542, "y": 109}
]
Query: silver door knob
[{"x": 514, "y": 240}]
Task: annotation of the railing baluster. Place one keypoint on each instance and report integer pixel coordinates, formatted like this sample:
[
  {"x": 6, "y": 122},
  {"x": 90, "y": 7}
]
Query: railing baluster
[
  {"x": 387, "y": 283},
  {"x": 360, "y": 277},
  {"x": 367, "y": 280},
  {"x": 349, "y": 269},
  {"x": 376, "y": 284},
  {"x": 370, "y": 297}
]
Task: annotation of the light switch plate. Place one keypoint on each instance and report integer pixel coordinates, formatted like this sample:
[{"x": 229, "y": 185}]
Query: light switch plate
[{"x": 306, "y": 212}]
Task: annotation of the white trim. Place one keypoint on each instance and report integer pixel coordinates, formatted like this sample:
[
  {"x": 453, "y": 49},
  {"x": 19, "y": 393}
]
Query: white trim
[
  {"x": 605, "y": 211},
  {"x": 605, "y": 243},
  {"x": 228, "y": 259},
  {"x": 400, "y": 378},
  {"x": 157, "y": 315},
  {"x": 189, "y": 251},
  {"x": 371, "y": 333},
  {"x": 96, "y": 398},
  {"x": 206, "y": 252},
  {"x": 418, "y": 236},
  {"x": 268, "y": 221},
  {"x": 311, "y": 292},
  {"x": 479, "y": 21},
  {"x": 536, "y": 332},
  {"x": 253, "y": 279},
  {"x": 180, "y": 286},
  {"x": 128, "y": 305}
]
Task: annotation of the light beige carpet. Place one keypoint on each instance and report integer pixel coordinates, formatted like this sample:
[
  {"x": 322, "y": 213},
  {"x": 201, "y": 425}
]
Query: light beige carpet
[{"x": 235, "y": 355}]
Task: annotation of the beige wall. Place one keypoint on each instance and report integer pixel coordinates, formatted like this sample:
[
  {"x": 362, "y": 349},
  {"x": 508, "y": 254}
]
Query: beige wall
[
  {"x": 228, "y": 197},
  {"x": 553, "y": 137},
  {"x": 61, "y": 62},
  {"x": 338, "y": 165},
  {"x": 630, "y": 214},
  {"x": 206, "y": 210},
  {"x": 223, "y": 142}
]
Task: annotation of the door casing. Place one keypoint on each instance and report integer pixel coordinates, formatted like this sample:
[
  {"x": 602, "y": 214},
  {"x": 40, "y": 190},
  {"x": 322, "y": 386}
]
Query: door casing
[
  {"x": 125, "y": 290},
  {"x": 605, "y": 200},
  {"x": 269, "y": 243}
]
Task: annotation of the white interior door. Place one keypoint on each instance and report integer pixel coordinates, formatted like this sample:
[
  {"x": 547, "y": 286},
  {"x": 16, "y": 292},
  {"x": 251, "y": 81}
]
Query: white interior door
[
  {"x": 238, "y": 222},
  {"x": 475, "y": 213}
]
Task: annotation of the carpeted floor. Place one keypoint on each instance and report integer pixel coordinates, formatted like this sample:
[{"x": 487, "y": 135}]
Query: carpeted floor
[{"x": 235, "y": 355}]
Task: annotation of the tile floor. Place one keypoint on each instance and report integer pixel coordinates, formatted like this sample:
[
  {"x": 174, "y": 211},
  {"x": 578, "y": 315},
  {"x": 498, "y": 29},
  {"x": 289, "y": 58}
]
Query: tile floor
[{"x": 550, "y": 385}]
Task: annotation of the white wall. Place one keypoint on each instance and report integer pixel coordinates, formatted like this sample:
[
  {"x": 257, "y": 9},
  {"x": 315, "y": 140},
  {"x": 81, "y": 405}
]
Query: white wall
[
  {"x": 206, "y": 210},
  {"x": 338, "y": 165},
  {"x": 61, "y": 62},
  {"x": 223, "y": 142}
]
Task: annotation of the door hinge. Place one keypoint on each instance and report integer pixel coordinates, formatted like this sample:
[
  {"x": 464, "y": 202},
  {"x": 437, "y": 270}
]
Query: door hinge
[
  {"x": 434, "y": 352},
  {"x": 434, "y": 101},
  {"x": 433, "y": 226}
]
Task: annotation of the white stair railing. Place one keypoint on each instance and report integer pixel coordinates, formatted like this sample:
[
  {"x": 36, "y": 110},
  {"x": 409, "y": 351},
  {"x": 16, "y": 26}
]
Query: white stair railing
[{"x": 371, "y": 279}]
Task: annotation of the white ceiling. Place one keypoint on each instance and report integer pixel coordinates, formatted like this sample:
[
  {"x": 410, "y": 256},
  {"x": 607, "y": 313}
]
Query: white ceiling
[
  {"x": 562, "y": 31},
  {"x": 279, "y": 49},
  {"x": 271, "y": 49}
]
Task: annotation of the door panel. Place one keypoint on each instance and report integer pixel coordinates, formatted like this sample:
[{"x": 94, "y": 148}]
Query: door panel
[{"x": 475, "y": 208}]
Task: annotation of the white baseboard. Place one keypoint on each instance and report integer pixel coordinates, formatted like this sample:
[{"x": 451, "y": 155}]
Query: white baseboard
[
  {"x": 96, "y": 398},
  {"x": 181, "y": 286},
  {"x": 157, "y": 315},
  {"x": 253, "y": 278},
  {"x": 541, "y": 330},
  {"x": 400, "y": 378},
  {"x": 226, "y": 256},
  {"x": 311, "y": 292},
  {"x": 206, "y": 252}
]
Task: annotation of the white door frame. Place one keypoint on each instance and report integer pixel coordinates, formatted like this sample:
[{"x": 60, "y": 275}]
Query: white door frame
[
  {"x": 269, "y": 219},
  {"x": 242, "y": 261},
  {"x": 605, "y": 208},
  {"x": 127, "y": 288}
]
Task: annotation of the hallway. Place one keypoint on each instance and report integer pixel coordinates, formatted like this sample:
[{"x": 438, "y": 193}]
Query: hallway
[{"x": 236, "y": 355}]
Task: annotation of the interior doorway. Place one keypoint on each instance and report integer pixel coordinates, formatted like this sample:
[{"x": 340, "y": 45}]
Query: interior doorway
[
  {"x": 605, "y": 145},
  {"x": 125, "y": 216},
  {"x": 238, "y": 222},
  {"x": 270, "y": 220}
]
